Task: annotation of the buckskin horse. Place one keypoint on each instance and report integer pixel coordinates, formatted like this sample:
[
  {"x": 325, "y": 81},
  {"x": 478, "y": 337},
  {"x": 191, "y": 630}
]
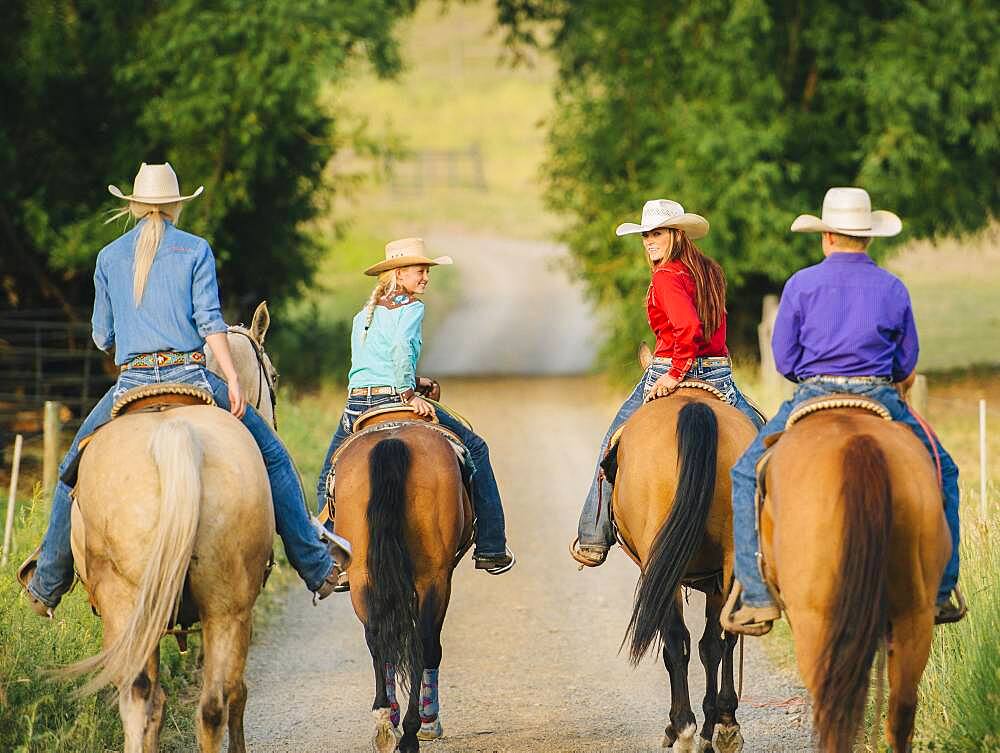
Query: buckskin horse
[
  {"x": 673, "y": 510},
  {"x": 402, "y": 503},
  {"x": 854, "y": 542},
  {"x": 174, "y": 508}
]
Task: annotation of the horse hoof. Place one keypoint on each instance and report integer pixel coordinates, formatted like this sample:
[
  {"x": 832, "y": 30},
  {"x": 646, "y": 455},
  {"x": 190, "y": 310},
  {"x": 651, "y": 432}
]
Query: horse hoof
[
  {"x": 430, "y": 730},
  {"x": 689, "y": 741},
  {"x": 728, "y": 738},
  {"x": 386, "y": 735}
]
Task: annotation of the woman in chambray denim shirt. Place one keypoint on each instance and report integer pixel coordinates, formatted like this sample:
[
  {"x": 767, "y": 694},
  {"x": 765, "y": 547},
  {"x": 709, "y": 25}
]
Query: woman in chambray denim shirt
[{"x": 156, "y": 303}]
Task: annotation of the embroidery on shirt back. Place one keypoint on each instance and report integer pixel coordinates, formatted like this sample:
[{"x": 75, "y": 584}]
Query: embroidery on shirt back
[{"x": 395, "y": 300}]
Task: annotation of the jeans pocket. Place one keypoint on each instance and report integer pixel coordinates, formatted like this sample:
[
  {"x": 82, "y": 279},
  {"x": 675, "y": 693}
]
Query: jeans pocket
[{"x": 188, "y": 374}]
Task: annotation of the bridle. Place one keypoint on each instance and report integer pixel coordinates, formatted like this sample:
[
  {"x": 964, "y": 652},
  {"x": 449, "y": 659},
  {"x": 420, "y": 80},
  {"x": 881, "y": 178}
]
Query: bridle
[{"x": 258, "y": 351}]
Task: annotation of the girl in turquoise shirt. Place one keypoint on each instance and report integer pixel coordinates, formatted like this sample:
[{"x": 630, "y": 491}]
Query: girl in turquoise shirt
[{"x": 385, "y": 346}]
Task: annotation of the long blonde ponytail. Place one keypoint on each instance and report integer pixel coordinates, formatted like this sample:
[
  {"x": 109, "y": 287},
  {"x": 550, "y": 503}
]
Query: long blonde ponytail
[
  {"x": 150, "y": 237},
  {"x": 385, "y": 285}
]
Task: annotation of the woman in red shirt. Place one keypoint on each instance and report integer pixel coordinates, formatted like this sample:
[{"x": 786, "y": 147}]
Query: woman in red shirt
[{"x": 686, "y": 306}]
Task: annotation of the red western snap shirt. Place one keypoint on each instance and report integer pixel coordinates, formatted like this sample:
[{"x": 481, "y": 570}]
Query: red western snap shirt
[{"x": 670, "y": 305}]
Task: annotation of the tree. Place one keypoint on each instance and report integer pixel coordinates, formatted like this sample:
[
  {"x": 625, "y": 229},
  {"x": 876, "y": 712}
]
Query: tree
[
  {"x": 747, "y": 112},
  {"x": 227, "y": 90}
]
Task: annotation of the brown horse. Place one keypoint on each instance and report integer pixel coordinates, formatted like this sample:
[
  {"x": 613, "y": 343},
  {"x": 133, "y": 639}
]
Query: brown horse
[
  {"x": 402, "y": 504},
  {"x": 855, "y": 542},
  {"x": 672, "y": 504},
  {"x": 175, "y": 507}
]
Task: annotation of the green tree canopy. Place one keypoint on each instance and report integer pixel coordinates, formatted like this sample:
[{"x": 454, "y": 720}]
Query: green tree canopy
[
  {"x": 747, "y": 112},
  {"x": 226, "y": 90}
]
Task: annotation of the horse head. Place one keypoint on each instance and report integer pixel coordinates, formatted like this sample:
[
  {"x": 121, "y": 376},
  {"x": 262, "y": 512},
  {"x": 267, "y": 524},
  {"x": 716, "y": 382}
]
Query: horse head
[{"x": 257, "y": 374}]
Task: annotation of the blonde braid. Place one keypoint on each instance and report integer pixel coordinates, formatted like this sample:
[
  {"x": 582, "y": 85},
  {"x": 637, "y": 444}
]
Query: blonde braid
[{"x": 385, "y": 285}]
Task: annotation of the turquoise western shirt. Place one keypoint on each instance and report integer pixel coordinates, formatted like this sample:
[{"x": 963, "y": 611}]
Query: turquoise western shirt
[
  {"x": 180, "y": 305},
  {"x": 387, "y": 357}
]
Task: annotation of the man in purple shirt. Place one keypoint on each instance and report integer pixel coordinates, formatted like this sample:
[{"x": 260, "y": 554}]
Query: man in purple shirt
[{"x": 843, "y": 325}]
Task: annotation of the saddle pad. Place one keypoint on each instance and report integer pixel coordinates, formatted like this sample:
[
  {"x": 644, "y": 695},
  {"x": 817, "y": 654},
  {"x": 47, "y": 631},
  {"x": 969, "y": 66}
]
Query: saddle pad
[
  {"x": 837, "y": 400},
  {"x": 161, "y": 396}
]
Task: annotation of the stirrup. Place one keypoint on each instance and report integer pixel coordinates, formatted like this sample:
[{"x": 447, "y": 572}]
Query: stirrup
[
  {"x": 758, "y": 624},
  {"x": 950, "y": 616},
  {"x": 577, "y": 552}
]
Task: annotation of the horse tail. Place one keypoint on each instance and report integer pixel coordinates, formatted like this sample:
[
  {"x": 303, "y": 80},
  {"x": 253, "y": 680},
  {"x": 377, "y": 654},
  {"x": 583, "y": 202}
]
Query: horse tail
[
  {"x": 860, "y": 608},
  {"x": 390, "y": 595},
  {"x": 177, "y": 453},
  {"x": 681, "y": 533}
]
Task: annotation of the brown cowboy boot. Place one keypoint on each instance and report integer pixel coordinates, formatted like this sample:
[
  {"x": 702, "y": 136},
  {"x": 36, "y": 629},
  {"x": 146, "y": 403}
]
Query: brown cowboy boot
[
  {"x": 24, "y": 574},
  {"x": 748, "y": 620},
  {"x": 947, "y": 611},
  {"x": 588, "y": 555}
]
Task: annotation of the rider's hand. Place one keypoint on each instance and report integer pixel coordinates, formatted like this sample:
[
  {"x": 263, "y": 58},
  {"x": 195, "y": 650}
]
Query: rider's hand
[
  {"x": 662, "y": 386},
  {"x": 237, "y": 402},
  {"x": 422, "y": 407}
]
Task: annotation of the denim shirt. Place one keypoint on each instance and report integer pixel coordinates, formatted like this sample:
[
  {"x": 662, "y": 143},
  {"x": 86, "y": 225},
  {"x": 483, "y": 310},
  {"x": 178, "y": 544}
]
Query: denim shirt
[
  {"x": 180, "y": 305},
  {"x": 388, "y": 355}
]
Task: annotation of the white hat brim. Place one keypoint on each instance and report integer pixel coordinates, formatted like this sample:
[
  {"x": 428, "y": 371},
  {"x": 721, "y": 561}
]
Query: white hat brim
[
  {"x": 694, "y": 225},
  {"x": 117, "y": 193},
  {"x": 885, "y": 224},
  {"x": 406, "y": 261}
]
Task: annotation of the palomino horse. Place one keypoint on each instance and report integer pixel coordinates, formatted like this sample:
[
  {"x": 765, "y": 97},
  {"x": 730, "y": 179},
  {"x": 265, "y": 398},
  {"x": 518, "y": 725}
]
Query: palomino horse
[
  {"x": 855, "y": 541},
  {"x": 408, "y": 522},
  {"x": 672, "y": 504},
  {"x": 175, "y": 504}
]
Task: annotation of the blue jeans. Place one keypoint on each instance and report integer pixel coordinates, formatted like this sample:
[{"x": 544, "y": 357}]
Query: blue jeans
[
  {"x": 306, "y": 553},
  {"x": 594, "y": 528},
  {"x": 744, "y": 477},
  {"x": 490, "y": 536}
]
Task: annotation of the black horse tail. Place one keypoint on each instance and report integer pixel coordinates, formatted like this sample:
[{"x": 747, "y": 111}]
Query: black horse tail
[
  {"x": 860, "y": 617},
  {"x": 391, "y": 596},
  {"x": 682, "y": 532}
]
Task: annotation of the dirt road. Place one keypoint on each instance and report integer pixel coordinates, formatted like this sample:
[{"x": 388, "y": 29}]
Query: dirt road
[{"x": 531, "y": 658}]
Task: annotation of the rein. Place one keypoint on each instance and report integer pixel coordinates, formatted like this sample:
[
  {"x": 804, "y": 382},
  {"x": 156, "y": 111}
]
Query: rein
[{"x": 265, "y": 377}]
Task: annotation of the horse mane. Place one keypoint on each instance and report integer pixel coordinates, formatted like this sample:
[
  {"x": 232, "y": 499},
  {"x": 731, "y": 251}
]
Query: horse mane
[{"x": 860, "y": 611}]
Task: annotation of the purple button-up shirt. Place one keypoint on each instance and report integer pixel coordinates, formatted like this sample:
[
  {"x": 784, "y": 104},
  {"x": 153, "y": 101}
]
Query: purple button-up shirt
[{"x": 845, "y": 316}]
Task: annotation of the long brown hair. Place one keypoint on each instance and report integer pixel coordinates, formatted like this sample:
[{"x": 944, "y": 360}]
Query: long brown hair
[{"x": 709, "y": 280}]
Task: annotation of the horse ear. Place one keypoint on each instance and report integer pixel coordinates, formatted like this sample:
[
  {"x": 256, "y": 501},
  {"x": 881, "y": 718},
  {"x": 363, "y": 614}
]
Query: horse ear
[
  {"x": 261, "y": 321},
  {"x": 645, "y": 355}
]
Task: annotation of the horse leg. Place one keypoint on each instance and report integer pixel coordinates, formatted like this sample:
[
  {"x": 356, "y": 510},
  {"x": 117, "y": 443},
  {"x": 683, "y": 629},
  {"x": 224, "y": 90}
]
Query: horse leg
[
  {"x": 430, "y": 715},
  {"x": 681, "y": 732},
  {"x": 386, "y": 736},
  {"x": 909, "y": 648},
  {"x": 140, "y": 704},
  {"x": 728, "y": 738},
  {"x": 226, "y": 640}
]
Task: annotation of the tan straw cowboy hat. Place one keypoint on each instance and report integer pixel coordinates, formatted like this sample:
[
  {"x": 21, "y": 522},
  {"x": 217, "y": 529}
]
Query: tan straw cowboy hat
[
  {"x": 155, "y": 184},
  {"x": 848, "y": 211},
  {"x": 666, "y": 213},
  {"x": 405, "y": 252}
]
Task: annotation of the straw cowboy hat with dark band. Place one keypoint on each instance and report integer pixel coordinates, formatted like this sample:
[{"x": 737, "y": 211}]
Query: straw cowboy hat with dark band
[
  {"x": 848, "y": 211},
  {"x": 405, "y": 252},
  {"x": 666, "y": 213},
  {"x": 155, "y": 184}
]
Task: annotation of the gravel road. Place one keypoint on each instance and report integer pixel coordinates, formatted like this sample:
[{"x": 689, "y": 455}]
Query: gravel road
[{"x": 531, "y": 658}]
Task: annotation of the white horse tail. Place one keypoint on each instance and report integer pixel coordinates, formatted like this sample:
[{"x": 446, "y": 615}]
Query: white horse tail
[{"x": 177, "y": 452}]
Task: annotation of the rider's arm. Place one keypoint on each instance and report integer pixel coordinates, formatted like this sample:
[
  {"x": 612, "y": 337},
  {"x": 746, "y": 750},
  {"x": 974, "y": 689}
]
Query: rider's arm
[
  {"x": 406, "y": 347},
  {"x": 205, "y": 304},
  {"x": 904, "y": 359},
  {"x": 103, "y": 320},
  {"x": 785, "y": 338},
  {"x": 674, "y": 297},
  {"x": 219, "y": 343}
]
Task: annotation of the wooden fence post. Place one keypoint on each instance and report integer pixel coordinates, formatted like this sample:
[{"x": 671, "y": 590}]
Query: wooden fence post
[
  {"x": 918, "y": 394},
  {"x": 8, "y": 529},
  {"x": 982, "y": 461},
  {"x": 50, "y": 444}
]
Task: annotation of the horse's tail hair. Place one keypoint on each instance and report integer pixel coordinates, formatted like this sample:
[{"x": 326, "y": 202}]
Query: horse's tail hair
[
  {"x": 681, "y": 533},
  {"x": 860, "y": 607},
  {"x": 390, "y": 595},
  {"x": 177, "y": 453}
]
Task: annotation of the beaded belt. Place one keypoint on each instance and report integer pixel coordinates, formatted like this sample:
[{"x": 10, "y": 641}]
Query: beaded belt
[
  {"x": 836, "y": 379},
  {"x": 708, "y": 362},
  {"x": 165, "y": 358},
  {"x": 369, "y": 391}
]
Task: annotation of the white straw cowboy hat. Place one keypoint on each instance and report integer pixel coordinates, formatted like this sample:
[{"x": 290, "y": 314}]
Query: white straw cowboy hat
[
  {"x": 848, "y": 211},
  {"x": 155, "y": 184},
  {"x": 405, "y": 252},
  {"x": 666, "y": 213}
]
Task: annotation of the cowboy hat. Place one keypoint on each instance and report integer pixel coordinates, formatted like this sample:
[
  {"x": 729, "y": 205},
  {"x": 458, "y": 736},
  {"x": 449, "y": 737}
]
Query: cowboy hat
[
  {"x": 405, "y": 252},
  {"x": 155, "y": 184},
  {"x": 848, "y": 211},
  {"x": 666, "y": 213}
]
